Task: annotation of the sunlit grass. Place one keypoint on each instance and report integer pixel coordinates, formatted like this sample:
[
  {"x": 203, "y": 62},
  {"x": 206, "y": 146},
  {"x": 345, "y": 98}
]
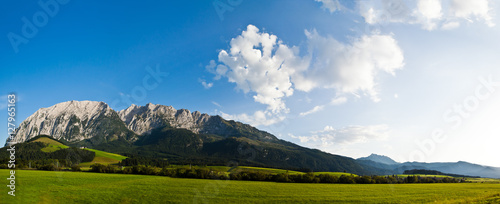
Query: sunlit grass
[
  {"x": 84, "y": 187},
  {"x": 52, "y": 144},
  {"x": 103, "y": 158}
]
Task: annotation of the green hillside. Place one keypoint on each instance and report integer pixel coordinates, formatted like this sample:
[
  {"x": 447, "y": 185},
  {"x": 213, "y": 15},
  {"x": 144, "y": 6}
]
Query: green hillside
[
  {"x": 181, "y": 146},
  {"x": 43, "y": 150},
  {"x": 52, "y": 145},
  {"x": 103, "y": 157}
]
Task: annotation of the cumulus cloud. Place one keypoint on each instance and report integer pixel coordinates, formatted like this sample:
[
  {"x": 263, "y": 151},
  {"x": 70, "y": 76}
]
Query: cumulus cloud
[
  {"x": 430, "y": 14},
  {"x": 467, "y": 9},
  {"x": 262, "y": 65},
  {"x": 346, "y": 135},
  {"x": 331, "y": 5},
  {"x": 350, "y": 68}
]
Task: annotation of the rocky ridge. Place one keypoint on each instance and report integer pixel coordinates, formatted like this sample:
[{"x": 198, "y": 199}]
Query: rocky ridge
[{"x": 74, "y": 121}]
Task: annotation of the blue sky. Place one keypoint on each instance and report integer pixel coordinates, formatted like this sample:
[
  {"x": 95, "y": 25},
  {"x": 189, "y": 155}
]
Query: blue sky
[{"x": 398, "y": 78}]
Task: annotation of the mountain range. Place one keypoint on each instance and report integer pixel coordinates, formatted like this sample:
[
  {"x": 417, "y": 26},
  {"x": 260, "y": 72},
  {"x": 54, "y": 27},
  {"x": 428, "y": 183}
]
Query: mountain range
[
  {"x": 461, "y": 167},
  {"x": 182, "y": 136}
]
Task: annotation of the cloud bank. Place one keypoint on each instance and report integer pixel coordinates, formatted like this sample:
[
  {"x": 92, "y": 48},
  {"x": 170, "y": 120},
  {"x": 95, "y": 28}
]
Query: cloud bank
[
  {"x": 262, "y": 65},
  {"x": 429, "y": 14},
  {"x": 346, "y": 135}
]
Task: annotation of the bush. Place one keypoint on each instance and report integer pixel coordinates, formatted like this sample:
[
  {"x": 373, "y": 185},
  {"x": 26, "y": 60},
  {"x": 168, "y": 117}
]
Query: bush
[
  {"x": 282, "y": 177},
  {"x": 75, "y": 167},
  {"x": 346, "y": 179},
  {"x": 100, "y": 168},
  {"x": 127, "y": 170},
  {"x": 327, "y": 178},
  {"x": 49, "y": 167}
]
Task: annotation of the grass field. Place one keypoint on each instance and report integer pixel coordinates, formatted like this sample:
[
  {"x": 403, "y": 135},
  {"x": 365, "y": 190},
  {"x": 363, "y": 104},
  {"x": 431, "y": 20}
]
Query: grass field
[
  {"x": 103, "y": 158},
  {"x": 83, "y": 187},
  {"x": 52, "y": 144},
  {"x": 266, "y": 170},
  {"x": 335, "y": 173},
  {"x": 423, "y": 175},
  {"x": 483, "y": 180}
]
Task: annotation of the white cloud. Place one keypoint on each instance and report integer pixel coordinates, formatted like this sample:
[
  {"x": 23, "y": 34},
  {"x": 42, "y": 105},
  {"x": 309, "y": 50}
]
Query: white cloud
[
  {"x": 468, "y": 9},
  {"x": 430, "y": 9},
  {"x": 216, "y": 104},
  {"x": 338, "y": 101},
  {"x": 333, "y": 102},
  {"x": 450, "y": 25},
  {"x": 385, "y": 11},
  {"x": 347, "y": 135},
  {"x": 262, "y": 65},
  {"x": 430, "y": 14},
  {"x": 258, "y": 118},
  {"x": 257, "y": 62},
  {"x": 351, "y": 68},
  {"x": 218, "y": 70},
  {"x": 304, "y": 139},
  {"x": 205, "y": 84},
  {"x": 331, "y": 5},
  {"x": 314, "y": 110}
]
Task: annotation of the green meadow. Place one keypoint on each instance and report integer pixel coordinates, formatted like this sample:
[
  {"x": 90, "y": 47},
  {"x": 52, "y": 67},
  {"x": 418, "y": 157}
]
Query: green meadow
[
  {"x": 52, "y": 145},
  {"x": 103, "y": 158},
  {"x": 84, "y": 187},
  {"x": 261, "y": 169}
]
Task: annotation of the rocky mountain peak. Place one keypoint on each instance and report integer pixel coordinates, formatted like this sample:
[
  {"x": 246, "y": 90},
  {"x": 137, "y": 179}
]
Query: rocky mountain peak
[
  {"x": 142, "y": 119},
  {"x": 64, "y": 118},
  {"x": 75, "y": 121}
]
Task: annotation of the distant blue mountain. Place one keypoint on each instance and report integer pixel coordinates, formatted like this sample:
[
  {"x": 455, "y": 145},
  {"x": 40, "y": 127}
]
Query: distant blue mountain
[
  {"x": 389, "y": 166},
  {"x": 379, "y": 158}
]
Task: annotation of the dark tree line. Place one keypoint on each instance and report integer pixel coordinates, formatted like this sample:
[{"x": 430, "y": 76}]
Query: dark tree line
[
  {"x": 134, "y": 161},
  {"x": 434, "y": 172},
  {"x": 208, "y": 173}
]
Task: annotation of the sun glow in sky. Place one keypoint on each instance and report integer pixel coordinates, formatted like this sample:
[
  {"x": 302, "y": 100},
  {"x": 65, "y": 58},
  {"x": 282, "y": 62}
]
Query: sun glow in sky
[{"x": 391, "y": 77}]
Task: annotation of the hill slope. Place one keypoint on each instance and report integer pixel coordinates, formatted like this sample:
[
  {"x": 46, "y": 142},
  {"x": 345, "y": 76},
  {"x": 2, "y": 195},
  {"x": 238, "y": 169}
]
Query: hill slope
[
  {"x": 44, "y": 150},
  {"x": 182, "y": 146},
  {"x": 52, "y": 144},
  {"x": 379, "y": 158}
]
